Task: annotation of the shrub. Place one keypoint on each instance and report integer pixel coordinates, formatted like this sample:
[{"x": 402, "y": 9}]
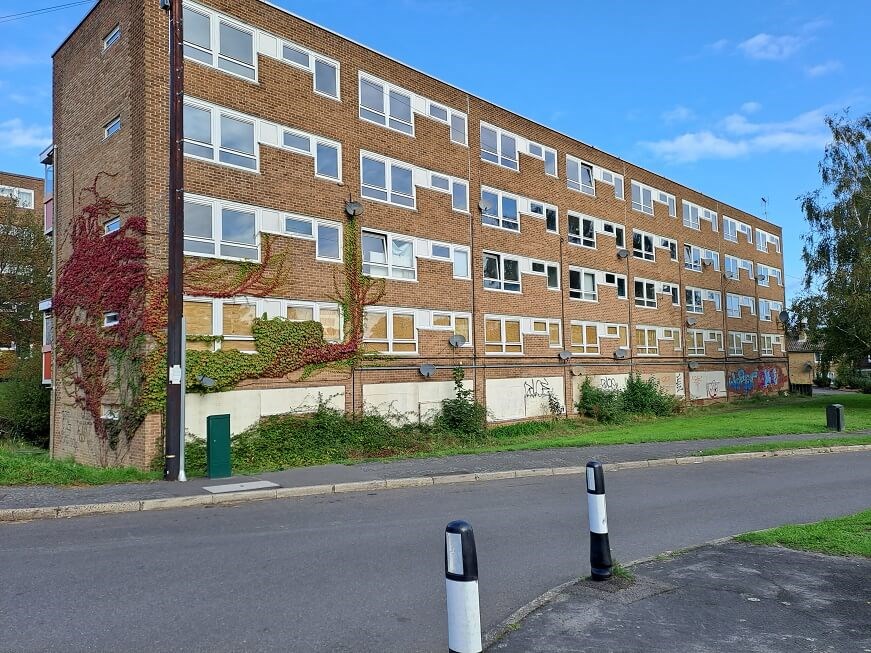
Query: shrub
[
  {"x": 602, "y": 405},
  {"x": 25, "y": 403},
  {"x": 642, "y": 397},
  {"x": 462, "y": 416},
  {"x": 822, "y": 381}
]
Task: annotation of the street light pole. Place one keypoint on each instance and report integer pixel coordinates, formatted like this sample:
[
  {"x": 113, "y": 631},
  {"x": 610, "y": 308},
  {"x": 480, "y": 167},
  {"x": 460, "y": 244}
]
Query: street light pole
[{"x": 174, "y": 390}]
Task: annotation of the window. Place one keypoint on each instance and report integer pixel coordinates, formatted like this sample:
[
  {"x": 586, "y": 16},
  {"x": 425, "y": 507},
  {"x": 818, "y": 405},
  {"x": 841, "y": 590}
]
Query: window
[
  {"x": 550, "y": 270},
  {"x": 550, "y": 162},
  {"x": 499, "y": 147},
  {"x": 614, "y": 230},
  {"x": 730, "y": 265},
  {"x": 674, "y": 336},
  {"x": 610, "y": 178},
  {"x": 579, "y": 176},
  {"x": 548, "y": 212},
  {"x": 582, "y": 230},
  {"x": 387, "y": 182},
  {"x": 458, "y": 254},
  {"x": 385, "y": 255},
  {"x": 22, "y": 196},
  {"x": 502, "y": 335},
  {"x": 672, "y": 290},
  {"x": 618, "y": 281},
  {"x": 237, "y": 325},
  {"x": 642, "y": 198},
  {"x": 501, "y": 272},
  {"x": 733, "y": 305},
  {"x": 645, "y": 293},
  {"x": 111, "y": 319},
  {"x": 326, "y": 153},
  {"x": 670, "y": 245},
  {"x": 199, "y": 321},
  {"x": 582, "y": 285},
  {"x": 646, "y": 342},
  {"x": 736, "y": 345},
  {"x": 235, "y": 43},
  {"x": 692, "y": 258},
  {"x": 454, "y": 119},
  {"x": 325, "y": 73},
  {"x": 642, "y": 246},
  {"x": 112, "y": 37},
  {"x": 111, "y": 127},
  {"x": 619, "y": 331},
  {"x": 768, "y": 342},
  {"x": 327, "y": 235},
  {"x": 111, "y": 226},
  {"x": 386, "y": 105},
  {"x": 390, "y": 330},
  {"x": 693, "y": 213},
  {"x": 214, "y": 228},
  {"x": 328, "y": 315},
  {"x": 694, "y": 300},
  {"x": 585, "y": 338},
  {"x": 203, "y": 127},
  {"x": 552, "y": 329},
  {"x": 48, "y": 330},
  {"x": 767, "y": 307},
  {"x": 695, "y": 342},
  {"x": 459, "y": 324},
  {"x": 730, "y": 229},
  {"x": 500, "y": 210}
]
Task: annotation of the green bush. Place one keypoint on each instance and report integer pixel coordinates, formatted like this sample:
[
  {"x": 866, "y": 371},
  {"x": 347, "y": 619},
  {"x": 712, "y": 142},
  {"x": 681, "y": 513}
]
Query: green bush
[
  {"x": 462, "y": 416},
  {"x": 822, "y": 381},
  {"x": 602, "y": 405},
  {"x": 25, "y": 403}
]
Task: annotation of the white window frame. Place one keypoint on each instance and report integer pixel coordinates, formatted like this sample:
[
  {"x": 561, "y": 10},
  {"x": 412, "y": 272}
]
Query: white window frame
[
  {"x": 388, "y": 91},
  {"x": 314, "y": 236},
  {"x": 769, "y": 340},
  {"x": 645, "y": 300},
  {"x": 312, "y": 151},
  {"x": 692, "y": 337},
  {"x": 498, "y": 216},
  {"x": 736, "y": 343},
  {"x": 215, "y": 113},
  {"x": 693, "y": 214},
  {"x": 614, "y": 284},
  {"x": 548, "y": 323},
  {"x": 389, "y": 164},
  {"x": 655, "y": 196},
  {"x": 313, "y": 59},
  {"x": 112, "y": 127},
  {"x": 579, "y": 239},
  {"x": 214, "y": 52},
  {"x": 691, "y": 295},
  {"x": 454, "y": 316},
  {"x": 112, "y": 37},
  {"x": 612, "y": 179},
  {"x": 391, "y": 341},
  {"x": 389, "y": 263},
  {"x": 578, "y": 184},
  {"x": 545, "y": 154},
  {"x": 643, "y": 250},
  {"x": 647, "y": 349},
  {"x": 112, "y": 225},
  {"x": 452, "y": 259},
  {"x": 547, "y": 267},
  {"x": 585, "y": 348},
  {"x": 544, "y": 211},
  {"x": 501, "y": 280},
  {"x": 502, "y": 342},
  {"x": 217, "y": 206},
  {"x": 584, "y": 295},
  {"x": 733, "y": 305},
  {"x": 18, "y": 195},
  {"x": 460, "y": 138},
  {"x": 453, "y": 184},
  {"x": 111, "y": 319},
  {"x": 500, "y": 157}
]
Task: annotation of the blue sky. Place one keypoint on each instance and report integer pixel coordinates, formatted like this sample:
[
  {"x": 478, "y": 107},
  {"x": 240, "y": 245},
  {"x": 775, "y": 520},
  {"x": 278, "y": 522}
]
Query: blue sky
[{"x": 728, "y": 98}]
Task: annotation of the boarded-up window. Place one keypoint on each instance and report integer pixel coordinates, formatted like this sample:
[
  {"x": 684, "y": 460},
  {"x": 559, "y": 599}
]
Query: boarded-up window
[
  {"x": 300, "y": 313},
  {"x": 198, "y": 318},
  {"x": 329, "y": 318}
]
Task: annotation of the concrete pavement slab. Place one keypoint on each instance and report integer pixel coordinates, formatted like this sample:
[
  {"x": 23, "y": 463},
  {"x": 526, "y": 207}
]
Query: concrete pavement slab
[{"x": 731, "y": 596}]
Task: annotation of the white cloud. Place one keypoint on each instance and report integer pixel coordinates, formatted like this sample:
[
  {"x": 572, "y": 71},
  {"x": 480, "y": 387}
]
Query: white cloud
[
  {"x": 736, "y": 136},
  {"x": 14, "y": 134},
  {"x": 750, "y": 107},
  {"x": 771, "y": 48},
  {"x": 679, "y": 113},
  {"x": 821, "y": 69},
  {"x": 718, "y": 46}
]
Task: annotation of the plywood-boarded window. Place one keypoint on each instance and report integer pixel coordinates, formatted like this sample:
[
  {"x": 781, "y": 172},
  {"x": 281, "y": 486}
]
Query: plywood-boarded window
[
  {"x": 462, "y": 327},
  {"x": 238, "y": 324},
  {"x": 198, "y": 322},
  {"x": 403, "y": 333},
  {"x": 300, "y": 313},
  {"x": 329, "y": 318}
]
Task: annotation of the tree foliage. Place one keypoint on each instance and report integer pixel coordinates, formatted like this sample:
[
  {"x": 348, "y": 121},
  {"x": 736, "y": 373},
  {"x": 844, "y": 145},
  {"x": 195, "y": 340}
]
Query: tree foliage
[
  {"x": 836, "y": 298},
  {"x": 25, "y": 275}
]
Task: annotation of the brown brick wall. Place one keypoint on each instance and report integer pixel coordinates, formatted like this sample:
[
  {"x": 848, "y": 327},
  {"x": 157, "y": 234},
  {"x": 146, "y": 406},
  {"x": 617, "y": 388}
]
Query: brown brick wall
[{"x": 132, "y": 80}]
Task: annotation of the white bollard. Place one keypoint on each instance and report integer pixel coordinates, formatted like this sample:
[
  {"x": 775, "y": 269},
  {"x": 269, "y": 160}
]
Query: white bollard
[
  {"x": 461, "y": 588},
  {"x": 600, "y": 547}
]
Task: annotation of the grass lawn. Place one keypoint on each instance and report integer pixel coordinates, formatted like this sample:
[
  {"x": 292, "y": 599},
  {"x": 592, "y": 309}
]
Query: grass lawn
[
  {"x": 748, "y": 418},
  {"x": 21, "y": 464},
  {"x": 788, "y": 444},
  {"x": 846, "y": 536}
]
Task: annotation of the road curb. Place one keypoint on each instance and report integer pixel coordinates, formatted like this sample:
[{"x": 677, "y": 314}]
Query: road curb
[{"x": 79, "y": 510}]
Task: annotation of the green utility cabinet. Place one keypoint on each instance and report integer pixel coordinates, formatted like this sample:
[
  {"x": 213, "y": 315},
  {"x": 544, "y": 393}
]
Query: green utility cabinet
[{"x": 218, "y": 446}]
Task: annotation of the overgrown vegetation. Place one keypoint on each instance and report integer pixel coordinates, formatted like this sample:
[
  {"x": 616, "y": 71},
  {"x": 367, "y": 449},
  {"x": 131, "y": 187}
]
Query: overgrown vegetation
[
  {"x": 25, "y": 403},
  {"x": 845, "y": 536},
  {"x": 462, "y": 416},
  {"x": 22, "y": 464},
  {"x": 640, "y": 397}
]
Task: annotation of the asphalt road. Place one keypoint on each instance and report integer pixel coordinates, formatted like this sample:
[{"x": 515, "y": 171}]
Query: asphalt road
[{"x": 365, "y": 572}]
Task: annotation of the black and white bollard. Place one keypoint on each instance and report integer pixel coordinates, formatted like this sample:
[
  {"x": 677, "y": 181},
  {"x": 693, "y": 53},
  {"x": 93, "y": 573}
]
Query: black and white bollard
[
  {"x": 461, "y": 588},
  {"x": 600, "y": 548}
]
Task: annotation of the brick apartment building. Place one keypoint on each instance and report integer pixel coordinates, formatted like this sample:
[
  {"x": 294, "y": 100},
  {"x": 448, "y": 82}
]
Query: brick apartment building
[
  {"x": 524, "y": 241},
  {"x": 26, "y": 193}
]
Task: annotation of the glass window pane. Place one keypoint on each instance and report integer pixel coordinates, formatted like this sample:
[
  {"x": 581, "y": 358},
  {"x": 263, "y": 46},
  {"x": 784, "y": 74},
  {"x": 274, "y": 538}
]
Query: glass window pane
[
  {"x": 509, "y": 148},
  {"x": 441, "y": 251},
  {"x": 438, "y": 112},
  {"x": 242, "y": 160},
  {"x": 196, "y": 28},
  {"x": 552, "y": 277},
  {"x": 327, "y": 161},
  {"x": 238, "y": 226},
  {"x": 461, "y": 263},
  {"x": 197, "y": 220},
  {"x": 440, "y": 182},
  {"x": 402, "y": 252},
  {"x": 328, "y": 242},
  {"x": 458, "y": 129},
  {"x": 400, "y": 180},
  {"x": 374, "y": 248},
  {"x": 374, "y": 173},
  {"x": 237, "y": 43},
  {"x": 239, "y": 319},
  {"x": 512, "y": 269},
  {"x": 375, "y": 326},
  {"x": 295, "y": 226},
  {"x": 372, "y": 96},
  {"x": 297, "y": 142},
  {"x": 441, "y": 319},
  {"x": 198, "y": 247},
  {"x": 237, "y": 135},
  {"x": 197, "y": 124},
  {"x": 509, "y": 208},
  {"x": 292, "y": 54},
  {"x": 488, "y": 140},
  {"x": 400, "y": 106},
  {"x": 198, "y": 318},
  {"x": 325, "y": 78},
  {"x": 491, "y": 267}
]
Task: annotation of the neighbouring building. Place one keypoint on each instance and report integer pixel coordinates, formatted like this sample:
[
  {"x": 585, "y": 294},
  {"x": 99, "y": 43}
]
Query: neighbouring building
[
  {"x": 26, "y": 193},
  {"x": 552, "y": 260}
]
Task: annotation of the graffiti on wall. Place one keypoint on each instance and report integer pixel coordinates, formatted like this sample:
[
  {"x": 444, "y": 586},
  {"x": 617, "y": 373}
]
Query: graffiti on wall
[
  {"x": 537, "y": 388},
  {"x": 678, "y": 384},
  {"x": 759, "y": 380},
  {"x": 707, "y": 385}
]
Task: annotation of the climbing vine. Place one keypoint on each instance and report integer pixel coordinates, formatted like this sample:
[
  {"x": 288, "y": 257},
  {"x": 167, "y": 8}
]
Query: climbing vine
[{"x": 108, "y": 274}]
